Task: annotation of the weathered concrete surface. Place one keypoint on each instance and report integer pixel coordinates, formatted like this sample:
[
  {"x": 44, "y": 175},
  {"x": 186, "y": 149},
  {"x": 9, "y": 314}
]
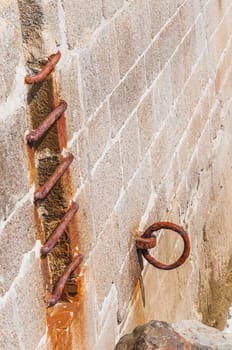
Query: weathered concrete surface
[
  {"x": 148, "y": 86},
  {"x": 185, "y": 335}
]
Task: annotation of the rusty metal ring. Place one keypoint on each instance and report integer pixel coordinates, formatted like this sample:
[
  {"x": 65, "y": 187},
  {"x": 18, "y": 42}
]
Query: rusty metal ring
[{"x": 170, "y": 226}]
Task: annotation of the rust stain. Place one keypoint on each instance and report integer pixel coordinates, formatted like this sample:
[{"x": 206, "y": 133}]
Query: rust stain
[{"x": 64, "y": 320}]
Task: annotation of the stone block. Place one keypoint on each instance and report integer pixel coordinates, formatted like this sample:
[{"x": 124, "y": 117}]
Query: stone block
[
  {"x": 106, "y": 255},
  {"x": 106, "y": 183},
  {"x": 152, "y": 62},
  {"x": 127, "y": 279},
  {"x": 109, "y": 7},
  {"x": 125, "y": 41},
  {"x": 165, "y": 87},
  {"x": 29, "y": 292},
  {"x": 189, "y": 140},
  {"x": 98, "y": 133},
  {"x": 70, "y": 90},
  {"x": 82, "y": 17},
  {"x": 99, "y": 68},
  {"x": 146, "y": 122},
  {"x": 133, "y": 28},
  {"x": 220, "y": 41},
  {"x": 17, "y": 237},
  {"x": 9, "y": 324},
  {"x": 79, "y": 166},
  {"x": 212, "y": 14},
  {"x": 130, "y": 148},
  {"x": 158, "y": 115},
  {"x": 188, "y": 12},
  {"x": 159, "y": 14},
  {"x": 174, "y": 6},
  {"x": 177, "y": 72},
  {"x": 190, "y": 95},
  {"x": 169, "y": 39},
  {"x": 10, "y": 37},
  {"x": 126, "y": 96},
  {"x": 189, "y": 51},
  {"x": 132, "y": 205},
  {"x": 84, "y": 218},
  {"x": 200, "y": 36},
  {"x": 163, "y": 148},
  {"x": 141, "y": 25},
  {"x": 109, "y": 327},
  {"x": 13, "y": 162}
]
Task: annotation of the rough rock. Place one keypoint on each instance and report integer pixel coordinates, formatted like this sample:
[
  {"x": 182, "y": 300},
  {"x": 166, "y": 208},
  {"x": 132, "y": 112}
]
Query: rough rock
[{"x": 185, "y": 335}]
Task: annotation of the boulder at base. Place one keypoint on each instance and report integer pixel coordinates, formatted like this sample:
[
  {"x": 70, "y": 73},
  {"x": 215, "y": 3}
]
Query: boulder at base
[{"x": 184, "y": 335}]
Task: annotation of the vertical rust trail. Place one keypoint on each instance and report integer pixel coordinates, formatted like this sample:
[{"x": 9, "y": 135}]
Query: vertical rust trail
[{"x": 46, "y": 142}]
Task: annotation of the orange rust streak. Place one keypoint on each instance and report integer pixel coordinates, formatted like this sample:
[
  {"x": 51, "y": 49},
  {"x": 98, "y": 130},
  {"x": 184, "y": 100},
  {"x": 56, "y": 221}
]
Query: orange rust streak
[{"x": 65, "y": 320}]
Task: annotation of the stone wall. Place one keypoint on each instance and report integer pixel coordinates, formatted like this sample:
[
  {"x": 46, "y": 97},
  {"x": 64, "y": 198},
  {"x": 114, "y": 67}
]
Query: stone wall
[{"x": 148, "y": 87}]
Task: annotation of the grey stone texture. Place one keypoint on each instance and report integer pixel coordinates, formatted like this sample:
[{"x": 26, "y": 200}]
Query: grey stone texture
[
  {"x": 130, "y": 148},
  {"x": 133, "y": 29},
  {"x": 82, "y": 17},
  {"x": 10, "y": 38},
  {"x": 70, "y": 91},
  {"x": 9, "y": 337},
  {"x": 13, "y": 161},
  {"x": 17, "y": 238},
  {"x": 98, "y": 133},
  {"x": 29, "y": 290},
  {"x": 186, "y": 335},
  {"x": 99, "y": 68},
  {"x": 126, "y": 96},
  {"x": 106, "y": 183},
  {"x": 109, "y": 7}
]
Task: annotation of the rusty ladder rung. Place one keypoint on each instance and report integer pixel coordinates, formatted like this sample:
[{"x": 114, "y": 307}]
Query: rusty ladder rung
[
  {"x": 52, "y": 240},
  {"x": 43, "y": 191},
  {"x": 35, "y": 135},
  {"x": 47, "y": 69},
  {"x": 56, "y": 295}
]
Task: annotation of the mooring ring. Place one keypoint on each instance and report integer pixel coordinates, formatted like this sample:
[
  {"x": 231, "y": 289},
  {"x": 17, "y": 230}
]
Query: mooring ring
[{"x": 173, "y": 227}]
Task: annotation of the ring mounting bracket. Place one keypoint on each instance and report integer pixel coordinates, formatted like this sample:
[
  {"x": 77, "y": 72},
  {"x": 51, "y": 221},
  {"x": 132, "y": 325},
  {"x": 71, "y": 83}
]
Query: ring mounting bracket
[{"x": 148, "y": 240}]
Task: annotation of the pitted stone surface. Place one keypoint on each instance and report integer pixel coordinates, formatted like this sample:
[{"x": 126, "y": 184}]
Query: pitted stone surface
[{"x": 185, "y": 335}]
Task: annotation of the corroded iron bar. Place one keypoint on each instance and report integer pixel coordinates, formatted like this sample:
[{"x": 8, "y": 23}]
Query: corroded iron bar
[
  {"x": 47, "y": 69},
  {"x": 51, "y": 242},
  {"x": 35, "y": 135},
  {"x": 63, "y": 279},
  {"x": 42, "y": 192}
]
